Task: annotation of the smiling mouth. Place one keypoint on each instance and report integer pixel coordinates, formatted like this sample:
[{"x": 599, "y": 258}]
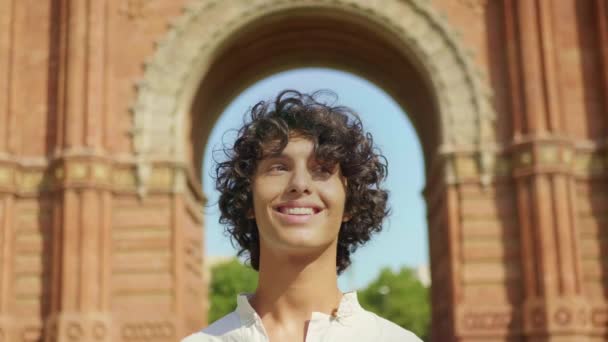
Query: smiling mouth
[
  {"x": 296, "y": 216},
  {"x": 297, "y": 211}
]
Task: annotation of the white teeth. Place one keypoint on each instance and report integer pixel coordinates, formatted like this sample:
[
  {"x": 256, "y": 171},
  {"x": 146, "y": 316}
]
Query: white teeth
[{"x": 298, "y": 211}]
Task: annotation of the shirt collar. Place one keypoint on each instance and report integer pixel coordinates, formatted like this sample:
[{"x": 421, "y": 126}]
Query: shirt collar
[
  {"x": 244, "y": 309},
  {"x": 349, "y": 305}
]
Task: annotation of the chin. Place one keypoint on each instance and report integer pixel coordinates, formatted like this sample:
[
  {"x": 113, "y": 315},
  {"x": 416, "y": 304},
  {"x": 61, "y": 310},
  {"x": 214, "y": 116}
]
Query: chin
[{"x": 305, "y": 244}]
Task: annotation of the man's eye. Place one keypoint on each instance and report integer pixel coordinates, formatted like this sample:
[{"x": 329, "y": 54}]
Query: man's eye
[
  {"x": 324, "y": 170},
  {"x": 277, "y": 168}
]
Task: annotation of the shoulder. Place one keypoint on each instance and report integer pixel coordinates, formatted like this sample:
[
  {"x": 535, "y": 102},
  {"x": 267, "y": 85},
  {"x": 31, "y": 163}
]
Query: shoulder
[
  {"x": 222, "y": 327},
  {"x": 389, "y": 331}
]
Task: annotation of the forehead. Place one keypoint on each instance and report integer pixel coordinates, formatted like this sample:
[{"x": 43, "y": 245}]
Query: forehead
[{"x": 297, "y": 145}]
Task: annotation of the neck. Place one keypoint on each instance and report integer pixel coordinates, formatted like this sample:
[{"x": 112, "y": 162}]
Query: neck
[{"x": 292, "y": 287}]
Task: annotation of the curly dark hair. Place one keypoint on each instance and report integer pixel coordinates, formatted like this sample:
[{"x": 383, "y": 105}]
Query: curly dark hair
[{"x": 338, "y": 137}]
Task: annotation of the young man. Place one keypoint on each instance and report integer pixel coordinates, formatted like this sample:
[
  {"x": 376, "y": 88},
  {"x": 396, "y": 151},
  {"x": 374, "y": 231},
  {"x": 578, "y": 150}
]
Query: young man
[{"x": 300, "y": 191}]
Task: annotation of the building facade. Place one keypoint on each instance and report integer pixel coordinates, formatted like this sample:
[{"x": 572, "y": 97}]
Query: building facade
[{"x": 105, "y": 107}]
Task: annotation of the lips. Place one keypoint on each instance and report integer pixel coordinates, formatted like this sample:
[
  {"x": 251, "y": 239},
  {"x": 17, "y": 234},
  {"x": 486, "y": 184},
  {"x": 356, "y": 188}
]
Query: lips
[{"x": 294, "y": 213}]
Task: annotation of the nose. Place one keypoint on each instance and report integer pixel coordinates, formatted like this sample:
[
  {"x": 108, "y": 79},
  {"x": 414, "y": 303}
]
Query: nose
[{"x": 300, "y": 181}]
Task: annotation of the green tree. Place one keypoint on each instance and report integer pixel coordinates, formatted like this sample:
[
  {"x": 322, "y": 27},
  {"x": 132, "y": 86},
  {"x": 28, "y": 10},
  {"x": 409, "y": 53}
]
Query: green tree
[
  {"x": 401, "y": 298},
  {"x": 228, "y": 279}
]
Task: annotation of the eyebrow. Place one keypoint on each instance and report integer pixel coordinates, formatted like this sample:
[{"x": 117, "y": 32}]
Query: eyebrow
[{"x": 274, "y": 156}]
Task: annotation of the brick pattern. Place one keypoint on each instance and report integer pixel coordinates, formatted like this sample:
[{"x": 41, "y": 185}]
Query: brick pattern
[
  {"x": 592, "y": 214},
  {"x": 442, "y": 296},
  {"x": 141, "y": 254},
  {"x": 142, "y": 271},
  {"x": 490, "y": 240},
  {"x": 31, "y": 268},
  {"x": 195, "y": 286},
  {"x": 490, "y": 259},
  {"x": 100, "y": 209}
]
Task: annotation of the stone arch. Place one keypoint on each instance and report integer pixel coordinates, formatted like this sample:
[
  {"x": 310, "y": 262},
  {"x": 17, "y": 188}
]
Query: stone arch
[{"x": 195, "y": 39}]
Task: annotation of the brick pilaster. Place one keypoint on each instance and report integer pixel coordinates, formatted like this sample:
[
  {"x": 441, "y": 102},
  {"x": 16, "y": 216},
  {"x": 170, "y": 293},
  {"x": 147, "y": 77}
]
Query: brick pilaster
[
  {"x": 7, "y": 192},
  {"x": 601, "y": 11},
  {"x": 554, "y": 307},
  {"x": 81, "y": 241},
  {"x": 7, "y": 321}
]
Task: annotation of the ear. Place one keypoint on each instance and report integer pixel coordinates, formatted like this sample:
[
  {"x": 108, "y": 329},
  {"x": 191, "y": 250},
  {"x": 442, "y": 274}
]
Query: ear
[
  {"x": 250, "y": 214},
  {"x": 346, "y": 218}
]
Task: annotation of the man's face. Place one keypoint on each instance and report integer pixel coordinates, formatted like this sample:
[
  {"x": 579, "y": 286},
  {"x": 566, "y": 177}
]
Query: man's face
[{"x": 298, "y": 204}]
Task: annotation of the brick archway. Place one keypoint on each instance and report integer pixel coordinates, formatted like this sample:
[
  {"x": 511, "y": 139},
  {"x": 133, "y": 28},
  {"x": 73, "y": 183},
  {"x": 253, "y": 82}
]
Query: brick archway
[
  {"x": 419, "y": 41},
  {"x": 216, "y": 49},
  {"x": 100, "y": 198}
]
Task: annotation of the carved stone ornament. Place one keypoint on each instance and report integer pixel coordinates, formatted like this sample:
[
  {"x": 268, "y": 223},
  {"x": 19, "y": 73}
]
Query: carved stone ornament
[
  {"x": 133, "y": 9},
  {"x": 477, "y": 6},
  {"x": 185, "y": 53}
]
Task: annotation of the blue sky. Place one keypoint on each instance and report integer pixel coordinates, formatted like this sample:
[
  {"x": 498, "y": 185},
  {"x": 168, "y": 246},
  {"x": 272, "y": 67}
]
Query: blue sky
[{"x": 403, "y": 240}]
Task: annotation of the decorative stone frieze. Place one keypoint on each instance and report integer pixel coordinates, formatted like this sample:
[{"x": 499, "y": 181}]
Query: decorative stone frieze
[
  {"x": 134, "y": 9},
  {"x": 569, "y": 315},
  {"x": 79, "y": 327},
  {"x": 148, "y": 330},
  {"x": 488, "y": 321},
  {"x": 477, "y": 6},
  {"x": 591, "y": 163},
  {"x": 117, "y": 176},
  {"x": 7, "y": 177},
  {"x": 525, "y": 159},
  {"x": 559, "y": 157}
]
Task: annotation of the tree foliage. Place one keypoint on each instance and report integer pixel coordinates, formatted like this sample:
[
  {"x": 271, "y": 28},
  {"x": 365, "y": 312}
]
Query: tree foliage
[
  {"x": 401, "y": 298},
  {"x": 228, "y": 279}
]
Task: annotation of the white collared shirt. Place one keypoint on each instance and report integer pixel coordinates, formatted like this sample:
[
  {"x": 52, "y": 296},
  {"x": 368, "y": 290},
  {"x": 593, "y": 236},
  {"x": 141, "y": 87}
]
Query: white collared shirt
[{"x": 352, "y": 323}]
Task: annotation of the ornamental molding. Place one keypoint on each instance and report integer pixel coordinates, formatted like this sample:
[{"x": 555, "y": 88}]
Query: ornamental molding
[
  {"x": 117, "y": 177},
  {"x": 183, "y": 56},
  {"x": 478, "y": 7},
  {"x": 488, "y": 321},
  {"x": 24, "y": 177}
]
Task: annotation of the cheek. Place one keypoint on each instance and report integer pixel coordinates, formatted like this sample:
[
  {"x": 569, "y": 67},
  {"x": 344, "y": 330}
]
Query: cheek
[
  {"x": 263, "y": 193},
  {"x": 257, "y": 201},
  {"x": 335, "y": 196}
]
